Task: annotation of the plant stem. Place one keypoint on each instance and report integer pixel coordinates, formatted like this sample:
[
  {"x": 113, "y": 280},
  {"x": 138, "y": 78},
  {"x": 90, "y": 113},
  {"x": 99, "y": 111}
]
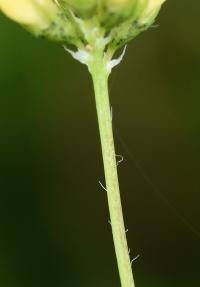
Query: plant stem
[{"x": 100, "y": 81}]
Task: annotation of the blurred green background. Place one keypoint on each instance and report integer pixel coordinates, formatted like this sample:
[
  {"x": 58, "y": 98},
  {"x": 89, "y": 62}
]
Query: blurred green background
[{"x": 53, "y": 213}]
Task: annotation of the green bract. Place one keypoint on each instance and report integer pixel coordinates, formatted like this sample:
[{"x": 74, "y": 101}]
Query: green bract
[{"x": 82, "y": 22}]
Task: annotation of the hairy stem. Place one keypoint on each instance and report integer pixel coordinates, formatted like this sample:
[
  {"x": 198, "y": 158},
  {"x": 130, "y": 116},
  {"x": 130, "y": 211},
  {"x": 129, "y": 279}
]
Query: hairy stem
[{"x": 100, "y": 81}]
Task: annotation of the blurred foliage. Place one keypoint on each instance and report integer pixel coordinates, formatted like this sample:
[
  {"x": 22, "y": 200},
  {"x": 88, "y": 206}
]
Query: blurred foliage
[{"x": 54, "y": 217}]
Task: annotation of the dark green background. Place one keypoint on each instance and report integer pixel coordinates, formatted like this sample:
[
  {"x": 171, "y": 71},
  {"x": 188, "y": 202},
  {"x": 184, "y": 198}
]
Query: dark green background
[{"x": 53, "y": 213}]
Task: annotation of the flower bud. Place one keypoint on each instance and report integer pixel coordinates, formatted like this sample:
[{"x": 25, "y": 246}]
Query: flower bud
[
  {"x": 42, "y": 17},
  {"x": 143, "y": 16},
  {"x": 151, "y": 10},
  {"x": 36, "y": 14}
]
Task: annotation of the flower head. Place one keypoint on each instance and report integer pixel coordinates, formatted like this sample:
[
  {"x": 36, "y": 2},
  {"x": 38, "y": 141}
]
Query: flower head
[{"x": 81, "y": 22}]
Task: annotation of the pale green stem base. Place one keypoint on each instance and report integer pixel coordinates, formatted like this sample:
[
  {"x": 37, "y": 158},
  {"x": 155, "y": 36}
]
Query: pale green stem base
[{"x": 100, "y": 81}]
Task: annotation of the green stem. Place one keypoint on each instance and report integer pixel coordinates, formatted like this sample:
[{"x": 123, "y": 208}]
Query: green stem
[{"x": 100, "y": 81}]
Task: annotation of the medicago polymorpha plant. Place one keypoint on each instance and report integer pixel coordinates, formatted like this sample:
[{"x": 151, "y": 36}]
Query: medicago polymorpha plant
[{"x": 95, "y": 29}]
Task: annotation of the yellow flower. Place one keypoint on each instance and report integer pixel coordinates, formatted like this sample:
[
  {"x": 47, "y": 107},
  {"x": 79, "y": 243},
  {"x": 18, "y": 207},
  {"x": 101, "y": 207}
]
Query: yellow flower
[
  {"x": 31, "y": 13},
  {"x": 151, "y": 8},
  {"x": 41, "y": 17}
]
